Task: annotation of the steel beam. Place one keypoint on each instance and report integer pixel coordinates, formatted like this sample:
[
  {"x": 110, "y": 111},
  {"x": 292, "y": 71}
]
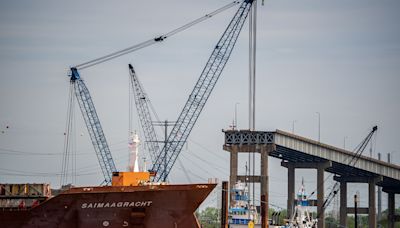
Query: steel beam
[
  {"x": 357, "y": 179},
  {"x": 308, "y": 165},
  {"x": 391, "y": 190}
]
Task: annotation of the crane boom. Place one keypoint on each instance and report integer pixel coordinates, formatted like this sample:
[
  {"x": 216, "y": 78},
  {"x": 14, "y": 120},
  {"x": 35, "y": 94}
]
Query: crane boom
[
  {"x": 142, "y": 107},
  {"x": 93, "y": 125},
  {"x": 201, "y": 92},
  {"x": 358, "y": 152}
]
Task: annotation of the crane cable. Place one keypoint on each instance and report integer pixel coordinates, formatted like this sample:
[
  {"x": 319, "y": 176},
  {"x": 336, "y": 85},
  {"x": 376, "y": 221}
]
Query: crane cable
[
  {"x": 68, "y": 141},
  {"x": 152, "y": 41}
]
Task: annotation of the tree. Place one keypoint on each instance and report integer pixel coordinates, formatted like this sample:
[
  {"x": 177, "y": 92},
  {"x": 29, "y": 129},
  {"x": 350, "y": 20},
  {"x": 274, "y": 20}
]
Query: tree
[
  {"x": 209, "y": 217},
  {"x": 331, "y": 222},
  {"x": 282, "y": 215},
  {"x": 384, "y": 222}
]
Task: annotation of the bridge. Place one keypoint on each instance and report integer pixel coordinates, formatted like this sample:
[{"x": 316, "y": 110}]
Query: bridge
[{"x": 299, "y": 152}]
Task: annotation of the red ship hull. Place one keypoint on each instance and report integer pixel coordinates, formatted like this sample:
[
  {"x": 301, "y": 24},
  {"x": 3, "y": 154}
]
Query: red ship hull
[{"x": 113, "y": 206}]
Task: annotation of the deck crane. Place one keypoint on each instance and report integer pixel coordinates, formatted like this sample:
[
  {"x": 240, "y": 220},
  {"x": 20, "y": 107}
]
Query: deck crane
[
  {"x": 142, "y": 103},
  {"x": 358, "y": 152},
  {"x": 143, "y": 111},
  {"x": 93, "y": 125},
  {"x": 200, "y": 94},
  {"x": 85, "y": 101}
]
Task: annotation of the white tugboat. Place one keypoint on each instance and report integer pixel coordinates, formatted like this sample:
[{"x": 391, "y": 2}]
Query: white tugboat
[
  {"x": 242, "y": 213},
  {"x": 301, "y": 217}
]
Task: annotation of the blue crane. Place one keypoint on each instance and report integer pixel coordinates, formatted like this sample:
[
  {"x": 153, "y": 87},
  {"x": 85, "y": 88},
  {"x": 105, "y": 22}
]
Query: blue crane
[
  {"x": 93, "y": 125},
  {"x": 86, "y": 104},
  {"x": 142, "y": 103},
  {"x": 201, "y": 92}
]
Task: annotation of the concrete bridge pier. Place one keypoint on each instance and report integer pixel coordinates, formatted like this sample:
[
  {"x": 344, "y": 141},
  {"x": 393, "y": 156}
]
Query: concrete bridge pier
[
  {"x": 264, "y": 150},
  {"x": 233, "y": 171},
  {"x": 291, "y": 190},
  {"x": 370, "y": 210},
  {"x": 391, "y": 210},
  {"x": 372, "y": 202},
  {"x": 392, "y": 217},
  {"x": 320, "y": 166},
  {"x": 343, "y": 204}
]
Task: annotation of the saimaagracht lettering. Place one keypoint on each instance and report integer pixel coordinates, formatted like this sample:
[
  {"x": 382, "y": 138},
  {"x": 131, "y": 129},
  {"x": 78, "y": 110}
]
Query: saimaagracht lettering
[{"x": 119, "y": 204}]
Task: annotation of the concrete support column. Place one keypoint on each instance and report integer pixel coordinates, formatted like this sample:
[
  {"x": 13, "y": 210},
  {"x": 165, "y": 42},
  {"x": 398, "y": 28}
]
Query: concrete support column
[
  {"x": 391, "y": 217},
  {"x": 291, "y": 192},
  {"x": 233, "y": 172},
  {"x": 264, "y": 151},
  {"x": 371, "y": 204},
  {"x": 264, "y": 217},
  {"x": 224, "y": 207},
  {"x": 320, "y": 196},
  {"x": 343, "y": 203}
]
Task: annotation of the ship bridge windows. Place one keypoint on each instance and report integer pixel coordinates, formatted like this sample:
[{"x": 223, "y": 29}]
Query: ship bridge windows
[{"x": 241, "y": 197}]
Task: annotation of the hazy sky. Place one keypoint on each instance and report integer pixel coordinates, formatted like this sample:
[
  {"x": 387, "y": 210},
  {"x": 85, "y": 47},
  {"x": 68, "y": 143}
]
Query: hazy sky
[{"x": 339, "y": 58}]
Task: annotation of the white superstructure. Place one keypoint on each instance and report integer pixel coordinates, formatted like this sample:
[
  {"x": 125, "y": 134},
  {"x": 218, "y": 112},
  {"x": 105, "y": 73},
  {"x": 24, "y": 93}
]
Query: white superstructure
[
  {"x": 134, "y": 153},
  {"x": 301, "y": 217}
]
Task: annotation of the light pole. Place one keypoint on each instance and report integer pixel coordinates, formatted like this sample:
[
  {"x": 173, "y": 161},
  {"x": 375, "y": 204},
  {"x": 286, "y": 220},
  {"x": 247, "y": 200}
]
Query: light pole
[
  {"x": 344, "y": 143},
  {"x": 235, "y": 124},
  {"x": 293, "y": 122},
  {"x": 319, "y": 127}
]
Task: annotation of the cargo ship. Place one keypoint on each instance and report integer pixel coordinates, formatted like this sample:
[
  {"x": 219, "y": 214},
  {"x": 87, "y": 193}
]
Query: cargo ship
[
  {"x": 132, "y": 200},
  {"x": 137, "y": 204}
]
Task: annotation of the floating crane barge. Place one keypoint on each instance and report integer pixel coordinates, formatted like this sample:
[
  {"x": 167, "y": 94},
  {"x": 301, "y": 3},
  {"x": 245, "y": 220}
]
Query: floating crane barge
[{"x": 133, "y": 200}]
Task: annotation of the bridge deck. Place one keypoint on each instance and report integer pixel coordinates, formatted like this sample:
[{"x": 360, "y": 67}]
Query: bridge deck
[{"x": 294, "y": 148}]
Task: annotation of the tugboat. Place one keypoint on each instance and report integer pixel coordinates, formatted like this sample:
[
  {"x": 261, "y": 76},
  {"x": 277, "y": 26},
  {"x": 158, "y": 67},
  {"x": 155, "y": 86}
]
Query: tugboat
[
  {"x": 301, "y": 217},
  {"x": 242, "y": 213}
]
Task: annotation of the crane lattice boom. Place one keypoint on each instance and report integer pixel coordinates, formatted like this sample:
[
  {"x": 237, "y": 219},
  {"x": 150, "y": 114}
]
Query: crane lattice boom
[
  {"x": 142, "y": 106},
  {"x": 358, "y": 152},
  {"x": 93, "y": 125},
  {"x": 202, "y": 90}
]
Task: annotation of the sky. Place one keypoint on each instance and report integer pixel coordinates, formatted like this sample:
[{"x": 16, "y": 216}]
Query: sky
[{"x": 338, "y": 58}]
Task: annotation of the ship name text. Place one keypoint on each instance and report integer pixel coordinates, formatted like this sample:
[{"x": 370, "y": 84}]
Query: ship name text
[{"x": 116, "y": 204}]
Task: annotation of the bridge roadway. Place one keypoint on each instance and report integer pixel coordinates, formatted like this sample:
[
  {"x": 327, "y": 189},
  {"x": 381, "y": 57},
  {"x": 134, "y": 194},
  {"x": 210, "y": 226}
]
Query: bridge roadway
[{"x": 299, "y": 152}]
